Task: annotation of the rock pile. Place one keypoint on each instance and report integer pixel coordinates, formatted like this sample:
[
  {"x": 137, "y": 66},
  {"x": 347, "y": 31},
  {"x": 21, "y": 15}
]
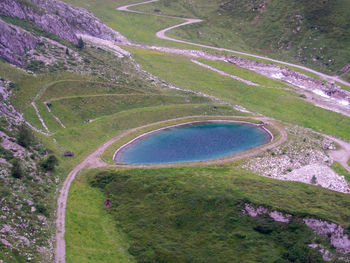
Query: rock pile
[{"x": 302, "y": 159}]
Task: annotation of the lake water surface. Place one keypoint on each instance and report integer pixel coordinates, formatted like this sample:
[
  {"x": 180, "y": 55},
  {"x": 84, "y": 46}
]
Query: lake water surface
[{"x": 193, "y": 142}]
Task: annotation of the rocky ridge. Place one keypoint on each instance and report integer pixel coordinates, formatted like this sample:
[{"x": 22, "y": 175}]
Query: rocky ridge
[
  {"x": 24, "y": 223},
  {"x": 331, "y": 231},
  {"x": 59, "y": 18},
  {"x": 15, "y": 42}
]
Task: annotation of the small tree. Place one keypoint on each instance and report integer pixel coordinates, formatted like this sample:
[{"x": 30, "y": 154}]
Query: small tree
[
  {"x": 81, "y": 43},
  {"x": 16, "y": 170},
  {"x": 25, "y": 137},
  {"x": 49, "y": 163},
  {"x": 67, "y": 51}
]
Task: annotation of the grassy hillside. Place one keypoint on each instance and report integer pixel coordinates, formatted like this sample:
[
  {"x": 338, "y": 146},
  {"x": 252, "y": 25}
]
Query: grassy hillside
[
  {"x": 100, "y": 98},
  {"x": 271, "y": 100},
  {"x": 195, "y": 214},
  {"x": 314, "y": 33},
  {"x": 102, "y": 242},
  {"x": 181, "y": 214}
]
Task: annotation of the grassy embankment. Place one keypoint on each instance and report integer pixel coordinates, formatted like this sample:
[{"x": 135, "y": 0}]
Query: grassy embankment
[
  {"x": 94, "y": 237},
  {"x": 188, "y": 214}
]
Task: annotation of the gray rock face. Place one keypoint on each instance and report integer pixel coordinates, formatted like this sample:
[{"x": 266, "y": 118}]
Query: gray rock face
[
  {"x": 28, "y": 11},
  {"x": 59, "y": 18},
  {"x": 338, "y": 238},
  {"x": 14, "y": 42},
  {"x": 80, "y": 20}
]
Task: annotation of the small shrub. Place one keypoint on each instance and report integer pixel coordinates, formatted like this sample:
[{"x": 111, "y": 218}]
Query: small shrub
[
  {"x": 40, "y": 149},
  {"x": 49, "y": 163},
  {"x": 240, "y": 235},
  {"x": 263, "y": 228},
  {"x": 16, "y": 170},
  {"x": 264, "y": 225},
  {"x": 180, "y": 220},
  {"x": 81, "y": 43},
  {"x": 40, "y": 208},
  {"x": 25, "y": 136}
]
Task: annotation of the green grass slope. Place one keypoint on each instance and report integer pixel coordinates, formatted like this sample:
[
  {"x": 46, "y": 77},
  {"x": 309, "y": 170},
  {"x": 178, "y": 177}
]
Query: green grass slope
[
  {"x": 314, "y": 33},
  {"x": 98, "y": 239},
  {"x": 195, "y": 214},
  {"x": 270, "y": 100}
]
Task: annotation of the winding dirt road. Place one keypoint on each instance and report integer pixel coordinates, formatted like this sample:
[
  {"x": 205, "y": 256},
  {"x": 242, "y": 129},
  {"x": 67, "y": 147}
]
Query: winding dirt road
[
  {"x": 161, "y": 34},
  {"x": 94, "y": 161}
]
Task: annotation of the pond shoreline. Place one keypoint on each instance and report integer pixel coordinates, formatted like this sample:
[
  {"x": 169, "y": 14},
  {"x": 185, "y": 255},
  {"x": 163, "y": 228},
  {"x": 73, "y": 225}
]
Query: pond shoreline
[{"x": 142, "y": 136}]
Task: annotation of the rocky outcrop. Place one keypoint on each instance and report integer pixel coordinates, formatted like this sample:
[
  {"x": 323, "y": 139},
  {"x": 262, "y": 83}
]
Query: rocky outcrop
[
  {"x": 260, "y": 210},
  {"x": 338, "y": 238},
  {"x": 335, "y": 233},
  {"x": 15, "y": 42},
  {"x": 59, "y": 18},
  {"x": 80, "y": 20},
  {"x": 25, "y": 10},
  {"x": 65, "y": 21}
]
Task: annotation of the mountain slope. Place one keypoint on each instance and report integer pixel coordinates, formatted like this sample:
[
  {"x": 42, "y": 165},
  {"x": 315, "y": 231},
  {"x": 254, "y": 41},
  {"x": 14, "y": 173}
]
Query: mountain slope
[{"x": 314, "y": 33}]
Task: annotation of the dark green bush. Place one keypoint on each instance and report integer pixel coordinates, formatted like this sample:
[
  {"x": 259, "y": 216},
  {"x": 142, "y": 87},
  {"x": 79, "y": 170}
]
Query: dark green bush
[
  {"x": 25, "y": 136},
  {"x": 16, "y": 169},
  {"x": 49, "y": 163},
  {"x": 40, "y": 208},
  {"x": 40, "y": 149},
  {"x": 81, "y": 43}
]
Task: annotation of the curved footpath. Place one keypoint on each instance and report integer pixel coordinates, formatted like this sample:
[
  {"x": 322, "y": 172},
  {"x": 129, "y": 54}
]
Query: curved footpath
[
  {"x": 161, "y": 34},
  {"x": 93, "y": 161}
]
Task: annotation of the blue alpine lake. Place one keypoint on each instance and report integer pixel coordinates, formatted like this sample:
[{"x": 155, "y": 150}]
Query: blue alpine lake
[{"x": 192, "y": 142}]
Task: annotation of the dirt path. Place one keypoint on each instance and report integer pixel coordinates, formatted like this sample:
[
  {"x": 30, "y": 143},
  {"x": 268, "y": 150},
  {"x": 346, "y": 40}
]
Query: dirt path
[
  {"x": 161, "y": 34},
  {"x": 341, "y": 155},
  {"x": 93, "y": 161}
]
